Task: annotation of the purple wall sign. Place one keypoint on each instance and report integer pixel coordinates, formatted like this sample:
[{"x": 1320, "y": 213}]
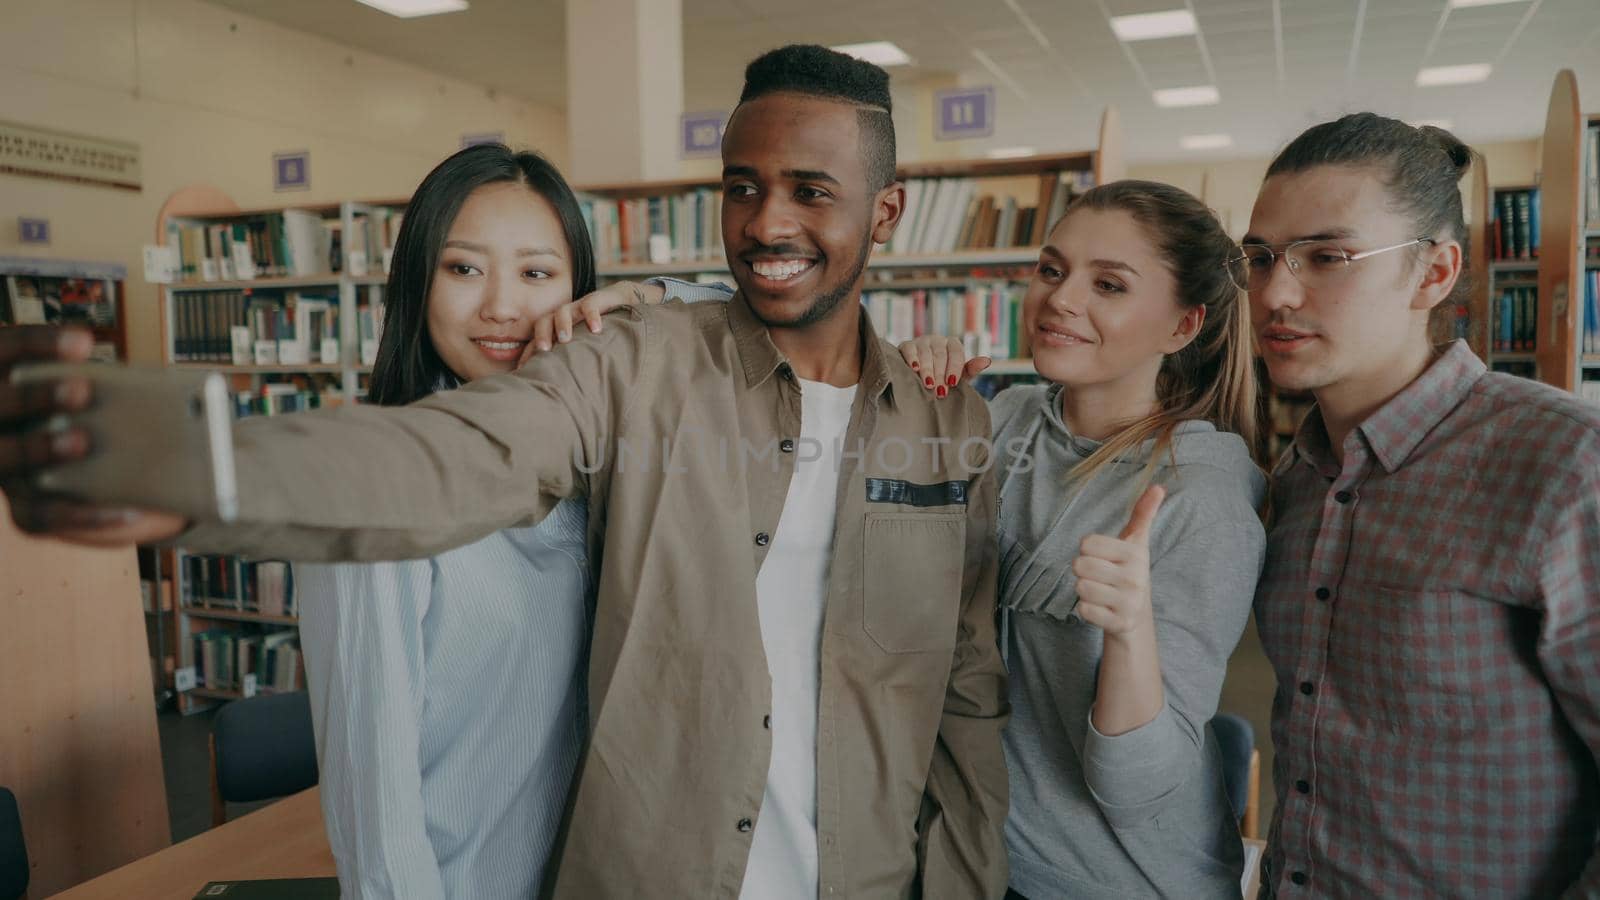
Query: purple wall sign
[
  {"x": 964, "y": 113},
  {"x": 291, "y": 171},
  {"x": 702, "y": 134},
  {"x": 472, "y": 140},
  {"x": 33, "y": 231}
]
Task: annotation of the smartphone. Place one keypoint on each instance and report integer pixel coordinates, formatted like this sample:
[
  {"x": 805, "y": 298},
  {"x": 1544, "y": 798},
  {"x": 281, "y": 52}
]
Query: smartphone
[{"x": 159, "y": 439}]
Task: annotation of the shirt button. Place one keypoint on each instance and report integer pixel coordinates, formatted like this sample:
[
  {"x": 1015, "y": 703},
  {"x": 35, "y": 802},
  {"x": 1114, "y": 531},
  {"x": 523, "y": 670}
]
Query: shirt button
[
  {"x": 1323, "y": 593},
  {"x": 1306, "y": 688},
  {"x": 1298, "y": 878},
  {"x": 745, "y": 825},
  {"x": 1344, "y": 496},
  {"x": 763, "y": 539},
  {"x": 785, "y": 370},
  {"x": 766, "y": 721},
  {"x": 786, "y": 445},
  {"x": 1303, "y": 786}
]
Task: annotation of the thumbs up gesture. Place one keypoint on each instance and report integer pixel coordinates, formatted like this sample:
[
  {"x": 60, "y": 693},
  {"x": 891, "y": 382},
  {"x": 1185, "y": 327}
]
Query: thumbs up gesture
[{"x": 1114, "y": 572}]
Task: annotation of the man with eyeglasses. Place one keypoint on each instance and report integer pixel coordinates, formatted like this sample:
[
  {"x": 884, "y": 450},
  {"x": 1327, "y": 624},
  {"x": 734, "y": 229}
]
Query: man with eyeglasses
[{"x": 1430, "y": 600}]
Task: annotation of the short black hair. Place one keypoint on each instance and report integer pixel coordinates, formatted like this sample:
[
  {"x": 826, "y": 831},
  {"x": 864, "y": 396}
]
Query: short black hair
[{"x": 819, "y": 72}]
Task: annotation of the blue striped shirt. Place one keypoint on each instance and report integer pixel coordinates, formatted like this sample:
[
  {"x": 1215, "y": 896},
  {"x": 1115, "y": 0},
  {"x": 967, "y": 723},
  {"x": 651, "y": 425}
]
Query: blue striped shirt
[{"x": 449, "y": 702}]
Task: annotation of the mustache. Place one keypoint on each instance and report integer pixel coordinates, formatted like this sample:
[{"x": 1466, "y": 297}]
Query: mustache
[{"x": 777, "y": 250}]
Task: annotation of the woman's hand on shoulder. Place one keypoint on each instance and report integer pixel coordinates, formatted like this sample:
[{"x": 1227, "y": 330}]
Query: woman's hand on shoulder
[
  {"x": 556, "y": 328},
  {"x": 942, "y": 362}
]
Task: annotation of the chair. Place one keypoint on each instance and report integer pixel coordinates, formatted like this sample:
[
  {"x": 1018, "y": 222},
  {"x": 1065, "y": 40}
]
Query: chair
[
  {"x": 1241, "y": 770},
  {"x": 13, "y": 852},
  {"x": 261, "y": 748}
]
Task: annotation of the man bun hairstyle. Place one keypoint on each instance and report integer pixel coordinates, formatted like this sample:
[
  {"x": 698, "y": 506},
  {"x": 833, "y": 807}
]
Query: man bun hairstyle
[
  {"x": 816, "y": 71},
  {"x": 1421, "y": 167}
]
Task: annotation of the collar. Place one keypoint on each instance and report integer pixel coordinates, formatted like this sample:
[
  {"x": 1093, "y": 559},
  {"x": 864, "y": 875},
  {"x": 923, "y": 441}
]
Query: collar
[
  {"x": 1398, "y": 427},
  {"x": 761, "y": 358}
]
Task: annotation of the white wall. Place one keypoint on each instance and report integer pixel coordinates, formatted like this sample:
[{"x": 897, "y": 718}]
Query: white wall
[{"x": 210, "y": 95}]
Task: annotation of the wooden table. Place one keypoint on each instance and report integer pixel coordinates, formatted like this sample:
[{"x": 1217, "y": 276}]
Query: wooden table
[{"x": 284, "y": 840}]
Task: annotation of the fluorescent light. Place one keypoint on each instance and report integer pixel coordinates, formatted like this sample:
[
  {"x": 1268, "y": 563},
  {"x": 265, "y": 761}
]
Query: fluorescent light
[
  {"x": 1442, "y": 75},
  {"x": 879, "y": 53},
  {"x": 1150, "y": 26},
  {"x": 1458, "y": 4},
  {"x": 411, "y": 9},
  {"x": 1011, "y": 152},
  {"x": 1205, "y": 141},
  {"x": 1446, "y": 124},
  {"x": 1199, "y": 95}
]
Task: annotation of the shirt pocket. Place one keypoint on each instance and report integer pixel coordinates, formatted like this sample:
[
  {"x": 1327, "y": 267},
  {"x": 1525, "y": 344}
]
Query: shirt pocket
[
  {"x": 1413, "y": 659},
  {"x": 912, "y": 566}
]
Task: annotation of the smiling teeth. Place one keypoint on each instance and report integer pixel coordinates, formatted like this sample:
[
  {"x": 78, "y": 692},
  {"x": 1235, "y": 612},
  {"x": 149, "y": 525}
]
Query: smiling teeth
[
  {"x": 780, "y": 271},
  {"x": 501, "y": 345}
]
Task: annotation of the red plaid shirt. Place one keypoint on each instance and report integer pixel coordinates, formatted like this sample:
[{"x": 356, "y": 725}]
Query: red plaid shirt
[{"x": 1432, "y": 609}]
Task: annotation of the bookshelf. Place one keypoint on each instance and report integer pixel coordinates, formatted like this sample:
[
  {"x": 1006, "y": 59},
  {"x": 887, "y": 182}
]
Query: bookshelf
[
  {"x": 1511, "y": 245},
  {"x": 63, "y": 291},
  {"x": 237, "y": 629},
  {"x": 276, "y": 298},
  {"x": 287, "y": 303},
  {"x": 1569, "y": 257}
]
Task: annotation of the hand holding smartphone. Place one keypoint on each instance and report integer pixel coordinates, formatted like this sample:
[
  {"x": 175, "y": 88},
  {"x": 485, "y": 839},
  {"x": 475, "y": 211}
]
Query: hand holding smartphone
[{"x": 159, "y": 439}]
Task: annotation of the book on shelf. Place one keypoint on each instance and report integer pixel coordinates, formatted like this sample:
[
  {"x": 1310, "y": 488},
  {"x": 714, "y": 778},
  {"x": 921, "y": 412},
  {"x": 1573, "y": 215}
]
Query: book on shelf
[
  {"x": 681, "y": 227},
  {"x": 369, "y": 328},
  {"x": 224, "y": 659},
  {"x": 233, "y": 584},
  {"x": 369, "y": 248},
  {"x": 948, "y": 214},
  {"x": 1591, "y": 311},
  {"x": 290, "y": 242},
  {"x": 152, "y": 592},
  {"x": 53, "y": 300},
  {"x": 1522, "y": 368},
  {"x": 1515, "y": 228},
  {"x": 1591, "y": 176},
  {"x": 1589, "y": 390},
  {"x": 283, "y": 397},
  {"x": 985, "y": 318},
  {"x": 1514, "y": 317},
  {"x": 255, "y": 327}
]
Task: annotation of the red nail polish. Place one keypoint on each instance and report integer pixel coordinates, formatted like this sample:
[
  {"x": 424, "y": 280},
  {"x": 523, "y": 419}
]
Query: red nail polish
[
  {"x": 941, "y": 390},
  {"x": 930, "y": 380},
  {"x": 915, "y": 366},
  {"x": 952, "y": 380}
]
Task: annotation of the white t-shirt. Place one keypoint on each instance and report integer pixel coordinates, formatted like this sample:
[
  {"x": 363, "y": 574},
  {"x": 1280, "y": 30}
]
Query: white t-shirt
[{"x": 791, "y": 592}]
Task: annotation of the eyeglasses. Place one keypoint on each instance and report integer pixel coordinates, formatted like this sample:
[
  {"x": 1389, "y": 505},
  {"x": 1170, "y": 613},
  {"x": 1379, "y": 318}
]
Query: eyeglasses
[{"x": 1315, "y": 264}]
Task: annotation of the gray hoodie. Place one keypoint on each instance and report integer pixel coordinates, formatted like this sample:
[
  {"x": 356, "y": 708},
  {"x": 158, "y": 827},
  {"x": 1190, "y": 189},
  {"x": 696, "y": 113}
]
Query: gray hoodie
[{"x": 1142, "y": 814}]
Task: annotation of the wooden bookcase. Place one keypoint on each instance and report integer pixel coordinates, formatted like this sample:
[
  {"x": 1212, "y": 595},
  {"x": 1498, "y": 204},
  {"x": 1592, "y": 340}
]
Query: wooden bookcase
[
  {"x": 1565, "y": 236},
  {"x": 64, "y": 291},
  {"x": 1562, "y": 264},
  {"x": 349, "y": 285}
]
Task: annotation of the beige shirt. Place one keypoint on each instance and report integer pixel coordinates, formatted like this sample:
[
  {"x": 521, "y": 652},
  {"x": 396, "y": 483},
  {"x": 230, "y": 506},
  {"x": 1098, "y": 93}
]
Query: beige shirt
[{"x": 678, "y": 424}]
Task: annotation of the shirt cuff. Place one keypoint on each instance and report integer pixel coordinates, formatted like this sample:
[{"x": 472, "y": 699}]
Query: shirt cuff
[
  {"x": 689, "y": 291},
  {"x": 1134, "y": 774}
]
